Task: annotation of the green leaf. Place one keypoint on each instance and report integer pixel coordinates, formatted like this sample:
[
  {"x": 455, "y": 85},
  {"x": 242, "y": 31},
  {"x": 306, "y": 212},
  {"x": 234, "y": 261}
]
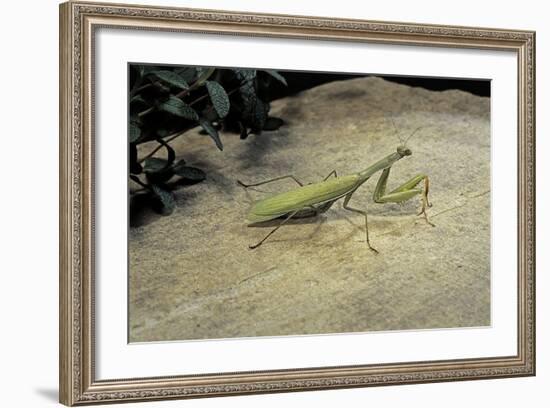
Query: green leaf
[
  {"x": 166, "y": 199},
  {"x": 245, "y": 74},
  {"x": 248, "y": 95},
  {"x": 176, "y": 106},
  {"x": 243, "y": 131},
  {"x": 190, "y": 173},
  {"x": 171, "y": 152},
  {"x": 159, "y": 170},
  {"x": 146, "y": 69},
  {"x": 273, "y": 123},
  {"x": 171, "y": 78},
  {"x": 204, "y": 74},
  {"x": 219, "y": 98},
  {"x": 139, "y": 69},
  {"x": 255, "y": 110},
  {"x": 134, "y": 132},
  {"x": 277, "y": 76},
  {"x": 260, "y": 116},
  {"x": 162, "y": 133},
  {"x": 212, "y": 132},
  {"x": 161, "y": 177},
  {"x": 154, "y": 165},
  {"x": 187, "y": 73},
  {"x": 161, "y": 89}
]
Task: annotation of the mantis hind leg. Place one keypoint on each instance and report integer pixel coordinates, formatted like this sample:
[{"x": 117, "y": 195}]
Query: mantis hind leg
[
  {"x": 404, "y": 192},
  {"x": 313, "y": 212},
  {"x": 333, "y": 172},
  {"x": 346, "y": 207},
  {"x": 290, "y": 176},
  {"x": 292, "y": 214}
]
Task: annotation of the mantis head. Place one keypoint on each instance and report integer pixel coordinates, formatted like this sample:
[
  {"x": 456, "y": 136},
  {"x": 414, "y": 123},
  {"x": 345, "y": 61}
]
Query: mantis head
[{"x": 404, "y": 151}]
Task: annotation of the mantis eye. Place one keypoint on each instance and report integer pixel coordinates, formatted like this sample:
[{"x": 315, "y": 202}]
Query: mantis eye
[{"x": 404, "y": 151}]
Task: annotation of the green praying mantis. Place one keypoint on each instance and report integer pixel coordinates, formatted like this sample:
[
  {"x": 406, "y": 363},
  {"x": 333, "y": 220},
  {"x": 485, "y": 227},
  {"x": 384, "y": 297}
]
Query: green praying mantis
[{"x": 313, "y": 199}]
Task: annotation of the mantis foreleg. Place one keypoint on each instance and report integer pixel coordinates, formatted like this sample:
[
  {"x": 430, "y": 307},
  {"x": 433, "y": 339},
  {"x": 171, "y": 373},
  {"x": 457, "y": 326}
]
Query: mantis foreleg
[
  {"x": 404, "y": 192},
  {"x": 346, "y": 200},
  {"x": 270, "y": 181}
]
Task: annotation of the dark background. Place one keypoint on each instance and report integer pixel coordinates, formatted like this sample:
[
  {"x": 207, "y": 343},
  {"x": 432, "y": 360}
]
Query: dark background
[{"x": 299, "y": 81}]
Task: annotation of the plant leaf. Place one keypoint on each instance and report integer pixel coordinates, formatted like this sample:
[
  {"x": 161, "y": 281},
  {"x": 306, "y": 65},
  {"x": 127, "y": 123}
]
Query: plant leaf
[
  {"x": 166, "y": 199},
  {"x": 171, "y": 152},
  {"x": 176, "y": 106},
  {"x": 161, "y": 132},
  {"x": 243, "y": 131},
  {"x": 146, "y": 69},
  {"x": 161, "y": 177},
  {"x": 160, "y": 89},
  {"x": 273, "y": 123},
  {"x": 171, "y": 78},
  {"x": 245, "y": 74},
  {"x": 187, "y": 73},
  {"x": 204, "y": 74},
  {"x": 248, "y": 95},
  {"x": 219, "y": 98},
  {"x": 255, "y": 110},
  {"x": 154, "y": 165},
  {"x": 190, "y": 173},
  {"x": 134, "y": 132},
  {"x": 277, "y": 76},
  {"x": 260, "y": 116},
  {"x": 212, "y": 132}
]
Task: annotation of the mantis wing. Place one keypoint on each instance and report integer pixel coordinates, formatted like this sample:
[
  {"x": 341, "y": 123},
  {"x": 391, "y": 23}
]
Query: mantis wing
[{"x": 280, "y": 204}]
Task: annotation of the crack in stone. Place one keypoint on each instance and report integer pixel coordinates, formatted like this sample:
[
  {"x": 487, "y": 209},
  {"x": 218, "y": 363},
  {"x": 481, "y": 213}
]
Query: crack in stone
[
  {"x": 257, "y": 274},
  {"x": 461, "y": 205}
]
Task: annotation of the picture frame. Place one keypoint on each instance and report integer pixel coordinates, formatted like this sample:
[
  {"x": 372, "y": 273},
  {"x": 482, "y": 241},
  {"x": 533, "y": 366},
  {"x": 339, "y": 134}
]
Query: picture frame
[{"x": 79, "y": 24}]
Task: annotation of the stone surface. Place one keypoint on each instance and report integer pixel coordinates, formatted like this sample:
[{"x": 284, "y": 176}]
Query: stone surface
[{"x": 192, "y": 275}]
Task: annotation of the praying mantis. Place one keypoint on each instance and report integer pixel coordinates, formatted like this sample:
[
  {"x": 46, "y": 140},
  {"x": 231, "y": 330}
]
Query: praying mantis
[{"x": 313, "y": 199}]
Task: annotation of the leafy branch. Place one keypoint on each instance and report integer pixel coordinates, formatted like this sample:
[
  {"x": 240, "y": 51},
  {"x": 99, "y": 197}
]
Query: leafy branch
[{"x": 167, "y": 102}]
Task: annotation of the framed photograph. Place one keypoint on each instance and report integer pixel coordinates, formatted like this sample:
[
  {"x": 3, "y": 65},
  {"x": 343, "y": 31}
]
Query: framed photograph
[{"x": 256, "y": 203}]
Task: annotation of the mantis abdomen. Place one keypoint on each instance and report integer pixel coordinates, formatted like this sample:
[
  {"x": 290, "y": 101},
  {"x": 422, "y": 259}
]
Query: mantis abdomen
[{"x": 301, "y": 198}]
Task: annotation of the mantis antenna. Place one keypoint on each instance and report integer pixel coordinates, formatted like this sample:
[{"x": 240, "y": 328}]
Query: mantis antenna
[
  {"x": 416, "y": 130},
  {"x": 395, "y": 131},
  {"x": 412, "y": 134},
  {"x": 404, "y": 143}
]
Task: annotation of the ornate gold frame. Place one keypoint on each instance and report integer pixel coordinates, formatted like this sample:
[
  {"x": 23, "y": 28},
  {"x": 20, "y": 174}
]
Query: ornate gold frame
[{"x": 77, "y": 24}]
